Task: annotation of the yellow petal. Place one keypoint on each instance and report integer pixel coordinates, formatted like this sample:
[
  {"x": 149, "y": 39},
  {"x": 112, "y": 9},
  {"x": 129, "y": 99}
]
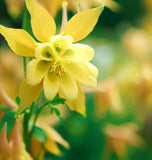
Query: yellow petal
[
  {"x": 28, "y": 94},
  {"x": 56, "y": 136},
  {"x": 36, "y": 70},
  {"x": 61, "y": 43},
  {"x": 68, "y": 86},
  {"x": 52, "y": 147},
  {"x": 45, "y": 52},
  {"x": 77, "y": 104},
  {"x": 19, "y": 41},
  {"x": 79, "y": 53},
  {"x": 42, "y": 22},
  {"x": 84, "y": 73},
  {"x": 52, "y": 139},
  {"x": 51, "y": 86},
  {"x": 82, "y": 23}
]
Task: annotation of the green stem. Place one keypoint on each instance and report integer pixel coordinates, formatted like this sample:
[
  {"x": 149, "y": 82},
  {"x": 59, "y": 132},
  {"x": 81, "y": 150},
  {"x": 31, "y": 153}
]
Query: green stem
[
  {"x": 25, "y": 127},
  {"x": 24, "y": 65},
  {"x": 34, "y": 122},
  {"x": 26, "y": 119},
  {"x": 40, "y": 151},
  {"x": 26, "y": 26}
]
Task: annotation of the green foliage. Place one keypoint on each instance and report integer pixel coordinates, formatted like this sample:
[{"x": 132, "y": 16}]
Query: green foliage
[
  {"x": 18, "y": 100},
  {"x": 54, "y": 110},
  {"x": 57, "y": 101},
  {"x": 4, "y": 108},
  {"x": 39, "y": 134},
  {"x": 8, "y": 118}
]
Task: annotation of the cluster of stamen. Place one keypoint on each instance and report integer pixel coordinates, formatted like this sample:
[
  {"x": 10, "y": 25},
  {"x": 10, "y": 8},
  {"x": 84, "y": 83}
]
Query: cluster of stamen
[{"x": 58, "y": 68}]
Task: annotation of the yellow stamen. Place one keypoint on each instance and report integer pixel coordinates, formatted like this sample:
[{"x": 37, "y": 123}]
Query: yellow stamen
[{"x": 58, "y": 68}]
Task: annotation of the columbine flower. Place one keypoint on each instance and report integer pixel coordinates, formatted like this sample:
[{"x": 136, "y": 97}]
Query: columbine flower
[
  {"x": 120, "y": 136},
  {"x": 60, "y": 66},
  {"x": 14, "y": 7},
  {"x": 106, "y": 97}
]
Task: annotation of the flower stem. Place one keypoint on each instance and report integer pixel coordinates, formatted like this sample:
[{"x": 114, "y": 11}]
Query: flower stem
[
  {"x": 34, "y": 122},
  {"x": 26, "y": 119},
  {"x": 39, "y": 152},
  {"x": 24, "y": 65},
  {"x": 24, "y": 26}
]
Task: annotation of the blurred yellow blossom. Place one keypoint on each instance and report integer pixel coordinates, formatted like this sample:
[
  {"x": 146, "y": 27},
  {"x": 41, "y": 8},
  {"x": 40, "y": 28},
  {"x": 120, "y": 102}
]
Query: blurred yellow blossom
[
  {"x": 59, "y": 64},
  {"x": 134, "y": 83},
  {"x": 106, "y": 97},
  {"x": 14, "y": 7},
  {"x": 143, "y": 87},
  {"x": 118, "y": 137},
  {"x": 53, "y": 6},
  {"x": 137, "y": 42},
  {"x": 11, "y": 73}
]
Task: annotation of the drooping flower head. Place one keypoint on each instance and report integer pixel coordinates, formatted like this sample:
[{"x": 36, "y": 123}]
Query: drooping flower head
[{"x": 60, "y": 64}]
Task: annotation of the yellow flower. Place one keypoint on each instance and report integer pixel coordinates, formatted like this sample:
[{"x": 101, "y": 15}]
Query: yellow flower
[
  {"x": 10, "y": 73},
  {"x": 86, "y": 4},
  {"x": 106, "y": 97},
  {"x": 60, "y": 65},
  {"x": 119, "y": 136},
  {"x": 137, "y": 42},
  {"x": 14, "y": 7}
]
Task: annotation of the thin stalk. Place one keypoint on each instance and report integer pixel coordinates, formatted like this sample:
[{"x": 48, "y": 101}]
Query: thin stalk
[
  {"x": 34, "y": 122},
  {"x": 25, "y": 127},
  {"x": 39, "y": 152},
  {"x": 25, "y": 27},
  {"x": 24, "y": 65},
  {"x": 27, "y": 117}
]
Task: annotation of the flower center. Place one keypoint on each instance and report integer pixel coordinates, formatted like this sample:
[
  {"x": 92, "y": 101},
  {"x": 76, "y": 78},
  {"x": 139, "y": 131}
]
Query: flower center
[{"x": 58, "y": 68}]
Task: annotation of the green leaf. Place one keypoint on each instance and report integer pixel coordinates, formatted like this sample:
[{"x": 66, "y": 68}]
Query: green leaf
[
  {"x": 60, "y": 119},
  {"x": 57, "y": 101},
  {"x": 39, "y": 134},
  {"x": 53, "y": 109},
  {"x": 57, "y": 112},
  {"x": 8, "y": 118},
  {"x": 5, "y": 108},
  {"x": 18, "y": 100}
]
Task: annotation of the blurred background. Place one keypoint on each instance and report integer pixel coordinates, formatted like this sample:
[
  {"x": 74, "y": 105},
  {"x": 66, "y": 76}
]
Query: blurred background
[{"x": 118, "y": 125}]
